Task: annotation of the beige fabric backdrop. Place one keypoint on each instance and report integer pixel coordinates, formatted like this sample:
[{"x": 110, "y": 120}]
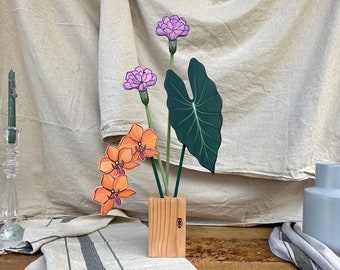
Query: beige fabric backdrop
[{"x": 275, "y": 64}]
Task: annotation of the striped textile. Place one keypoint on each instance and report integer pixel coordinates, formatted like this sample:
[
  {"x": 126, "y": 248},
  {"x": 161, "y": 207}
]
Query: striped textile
[
  {"x": 289, "y": 243},
  {"x": 93, "y": 242}
]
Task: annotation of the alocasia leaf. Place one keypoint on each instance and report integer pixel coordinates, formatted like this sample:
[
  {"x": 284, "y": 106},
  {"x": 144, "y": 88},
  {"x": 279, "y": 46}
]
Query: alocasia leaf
[{"x": 197, "y": 121}]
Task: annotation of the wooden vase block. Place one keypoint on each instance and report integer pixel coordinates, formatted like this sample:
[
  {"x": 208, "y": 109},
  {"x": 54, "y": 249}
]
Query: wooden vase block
[{"x": 167, "y": 227}]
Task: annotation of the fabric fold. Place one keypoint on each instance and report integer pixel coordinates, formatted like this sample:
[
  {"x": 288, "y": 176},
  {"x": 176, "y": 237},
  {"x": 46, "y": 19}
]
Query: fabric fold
[
  {"x": 289, "y": 243},
  {"x": 42, "y": 231},
  {"x": 117, "y": 54},
  {"x": 115, "y": 241},
  {"x": 271, "y": 63}
]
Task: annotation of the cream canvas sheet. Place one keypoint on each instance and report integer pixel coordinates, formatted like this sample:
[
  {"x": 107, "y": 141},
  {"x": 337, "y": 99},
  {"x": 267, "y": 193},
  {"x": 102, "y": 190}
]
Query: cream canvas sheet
[{"x": 275, "y": 64}]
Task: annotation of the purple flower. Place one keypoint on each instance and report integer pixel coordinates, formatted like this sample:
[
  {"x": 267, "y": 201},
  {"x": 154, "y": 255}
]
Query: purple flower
[
  {"x": 140, "y": 79},
  {"x": 172, "y": 27}
]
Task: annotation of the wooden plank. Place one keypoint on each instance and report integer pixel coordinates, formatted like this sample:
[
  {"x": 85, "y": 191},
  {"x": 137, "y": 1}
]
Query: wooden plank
[
  {"x": 229, "y": 232},
  {"x": 243, "y": 266},
  {"x": 207, "y": 248},
  {"x": 232, "y": 248},
  {"x": 13, "y": 261},
  {"x": 225, "y": 250}
]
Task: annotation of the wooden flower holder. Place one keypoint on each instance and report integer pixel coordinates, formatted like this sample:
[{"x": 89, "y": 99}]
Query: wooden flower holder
[{"x": 167, "y": 227}]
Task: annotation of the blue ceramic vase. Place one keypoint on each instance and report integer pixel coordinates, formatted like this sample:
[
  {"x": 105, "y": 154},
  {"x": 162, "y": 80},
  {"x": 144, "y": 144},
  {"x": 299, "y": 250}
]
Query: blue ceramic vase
[{"x": 321, "y": 207}]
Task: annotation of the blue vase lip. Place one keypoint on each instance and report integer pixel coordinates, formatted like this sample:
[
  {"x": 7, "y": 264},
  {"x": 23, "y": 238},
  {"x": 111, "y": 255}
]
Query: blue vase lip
[{"x": 327, "y": 175}]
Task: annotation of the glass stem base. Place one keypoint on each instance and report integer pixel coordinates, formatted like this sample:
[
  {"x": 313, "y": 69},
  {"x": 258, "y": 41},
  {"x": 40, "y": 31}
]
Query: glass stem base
[
  {"x": 10, "y": 235},
  {"x": 11, "y": 232}
]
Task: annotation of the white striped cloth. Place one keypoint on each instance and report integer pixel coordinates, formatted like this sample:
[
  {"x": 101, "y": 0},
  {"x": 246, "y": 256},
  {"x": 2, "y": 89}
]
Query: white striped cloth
[
  {"x": 307, "y": 253},
  {"x": 92, "y": 242}
]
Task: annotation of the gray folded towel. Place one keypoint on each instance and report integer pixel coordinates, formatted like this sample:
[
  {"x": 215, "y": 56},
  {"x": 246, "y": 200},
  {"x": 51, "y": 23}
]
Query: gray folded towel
[
  {"x": 92, "y": 242},
  {"x": 307, "y": 253}
]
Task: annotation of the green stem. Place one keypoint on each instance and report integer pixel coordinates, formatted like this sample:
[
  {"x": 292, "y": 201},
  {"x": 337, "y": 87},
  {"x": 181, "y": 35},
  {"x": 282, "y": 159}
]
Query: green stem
[
  {"x": 165, "y": 182},
  {"x": 148, "y": 116},
  {"x": 179, "y": 171},
  {"x": 157, "y": 178},
  {"x": 172, "y": 56},
  {"x": 168, "y": 136},
  {"x": 167, "y": 161}
]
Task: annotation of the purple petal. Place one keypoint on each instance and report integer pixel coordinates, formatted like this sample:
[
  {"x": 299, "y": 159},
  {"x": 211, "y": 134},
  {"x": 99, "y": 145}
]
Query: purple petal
[
  {"x": 172, "y": 27},
  {"x": 160, "y": 32},
  {"x": 174, "y": 18},
  {"x": 142, "y": 87},
  {"x": 139, "y": 69},
  {"x": 147, "y": 77},
  {"x": 165, "y": 19},
  {"x": 172, "y": 36},
  {"x": 139, "y": 79},
  {"x": 127, "y": 86},
  {"x": 118, "y": 200}
]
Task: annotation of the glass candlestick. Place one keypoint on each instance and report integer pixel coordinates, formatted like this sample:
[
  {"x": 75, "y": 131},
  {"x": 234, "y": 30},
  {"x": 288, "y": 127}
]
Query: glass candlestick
[{"x": 11, "y": 231}]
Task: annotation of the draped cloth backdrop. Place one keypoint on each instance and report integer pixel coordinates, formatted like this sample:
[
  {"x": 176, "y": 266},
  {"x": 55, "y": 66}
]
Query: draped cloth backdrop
[{"x": 275, "y": 64}]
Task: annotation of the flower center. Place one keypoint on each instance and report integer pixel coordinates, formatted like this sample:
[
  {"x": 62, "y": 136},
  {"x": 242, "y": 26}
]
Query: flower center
[
  {"x": 141, "y": 150},
  {"x": 119, "y": 166}
]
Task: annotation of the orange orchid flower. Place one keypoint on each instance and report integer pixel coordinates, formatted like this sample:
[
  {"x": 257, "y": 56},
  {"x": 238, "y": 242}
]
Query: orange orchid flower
[
  {"x": 112, "y": 191},
  {"x": 142, "y": 142},
  {"x": 117, "y": 160}
]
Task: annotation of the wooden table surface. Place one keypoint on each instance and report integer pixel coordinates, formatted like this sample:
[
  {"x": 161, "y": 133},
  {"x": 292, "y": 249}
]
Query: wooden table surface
[
  {"x": 208, "y": 248},
  {"x": 216, "y": 248}
]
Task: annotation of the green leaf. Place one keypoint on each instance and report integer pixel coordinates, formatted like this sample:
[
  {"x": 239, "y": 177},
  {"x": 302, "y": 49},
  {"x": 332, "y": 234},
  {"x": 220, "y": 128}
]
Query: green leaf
[{"x": 197, "y": 121}]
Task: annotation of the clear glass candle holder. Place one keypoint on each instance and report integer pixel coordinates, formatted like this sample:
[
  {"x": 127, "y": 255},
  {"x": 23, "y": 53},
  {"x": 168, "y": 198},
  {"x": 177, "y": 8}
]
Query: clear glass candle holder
[{"x": 11, "y": 231}]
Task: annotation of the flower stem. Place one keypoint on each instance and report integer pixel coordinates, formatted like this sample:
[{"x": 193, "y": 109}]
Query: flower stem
[
  {"x": 165, "y": 181},
  {"x": 172, "y": 61},
  {"x": 167, "y": 161},
  {"x": 168, "y": 136},
  {"x": 179, "y": 171},
  {"x": 157, "y": 178},
  {"x": 148, "y": 116}
]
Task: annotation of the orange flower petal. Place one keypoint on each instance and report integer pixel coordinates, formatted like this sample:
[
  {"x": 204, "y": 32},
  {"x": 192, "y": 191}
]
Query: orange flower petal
[
  {"x": 149, "y": 138},
  {"x": 107, "y": 181},
  {"x": 127, "y": 193},
  {"x": 130, "y": 165},
  {"x": 112, "y": 152},
  {"x": 136, "y": 132},
  {"x": 135, "y": 156},
  {"x": 128, "y": 142},
  {"x": 120, "y": 183},
  {"x": 106, "y": 207},
  {"x": 125, "y": 154},
  {"x": 151, "y": 153},
  {"x": 114, "y": 173},
  {"x": 105, "y": 165},
  {"x": 101, "y": 195}
]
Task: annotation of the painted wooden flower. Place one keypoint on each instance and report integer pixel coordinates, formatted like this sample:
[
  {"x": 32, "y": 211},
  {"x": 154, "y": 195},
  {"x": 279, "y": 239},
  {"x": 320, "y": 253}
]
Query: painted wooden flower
[
  {"x": 117, "y": 160},
  {"x": 112, "y": 191},
  {"x": 172, "y": 27},
  {"x": 140, "y": 79},
  {"x": 142, "y": 142}
]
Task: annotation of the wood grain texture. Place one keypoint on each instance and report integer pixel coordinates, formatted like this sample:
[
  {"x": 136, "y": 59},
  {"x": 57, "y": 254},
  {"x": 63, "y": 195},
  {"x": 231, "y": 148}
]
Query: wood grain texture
[
  {"x": 15, "y": 261},
  {"x": 232, "y": 248},
  {"x": 167, "y": 227}
]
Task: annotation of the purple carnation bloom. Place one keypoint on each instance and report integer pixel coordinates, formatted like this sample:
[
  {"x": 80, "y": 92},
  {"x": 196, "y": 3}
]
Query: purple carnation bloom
[
  {"x": 140, "y": 79},
  {"x": 172, "y": 27}
]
